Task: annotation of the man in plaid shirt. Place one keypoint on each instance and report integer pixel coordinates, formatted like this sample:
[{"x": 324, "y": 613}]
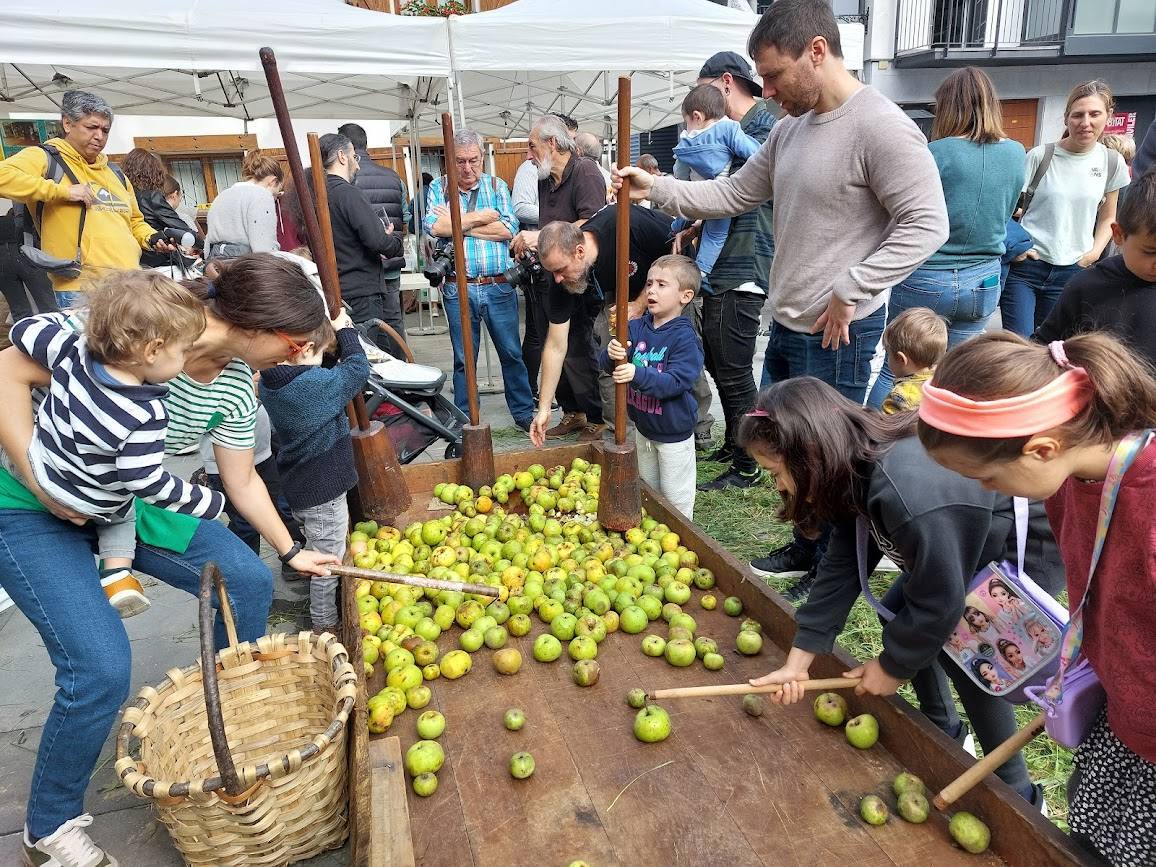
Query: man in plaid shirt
[{"x": 489, "y": 223}]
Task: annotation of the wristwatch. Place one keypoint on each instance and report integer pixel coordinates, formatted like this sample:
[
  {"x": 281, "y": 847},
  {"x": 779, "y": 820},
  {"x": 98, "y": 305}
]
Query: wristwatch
[{"x": 290, "y": 554}]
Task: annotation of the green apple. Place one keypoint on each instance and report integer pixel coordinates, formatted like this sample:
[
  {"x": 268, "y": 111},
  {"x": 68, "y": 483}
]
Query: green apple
[
  {"x": 748, "y": 643},
  {"x": 633, "y": 620},
  {"x": 547, "y": 648},
  {"x": 862, "y": 731},
  {"x": 443, "y": 616},
  {"x": 753, "y": 705},
  {"x": 969, "y": 832},
  {"x": 708, "y": 601},
  {"x": 873, "y": 810},
  {"x": 680, "y": 652},
  {"x": 398, "y": 658},
  {"x": 733, "y": 606},
  {"x": 652, "y": 724},
  {"x": 484, "y": 624},
  {"x": 507, "y": 660},
  {"x": 550, "y": 610},
  {"x": 913, "y": 807},
  {"x": 684, "y": 621},
  {"x": 654, "y": 645},
  {"x": 514, "y": 719},
  {"x": 425, "y": 653},
  {"x": 425, "y": 785},
  {"x": 471, "y": 640},
  {"x": 636, "y": 698},
  {"x": 597, "y": 601},
  {"x": 518, "y": 625},
  {"x": 907, "y": 782},
  {"x": 496, "y": 637},
  {"x": 431, "y": 672},
  {"x": 521, "y": 765},
  {"x": 831, "y": 709},
  {"x": 418, "y": 697},
  {"x": 704, "y": 645},
  {"x": 677, "y": 592},
  {"x": 430, "y": 725},
  {"x": 424, "y": 757},
  {"x": 591, "y": 626},
  {"x": 669, "y": 610},
  {"x": 562, "y": 627},
  {"x": 404, "y": 678},
  {"x": 703, "y": 579},
  {"x": 455, "y": 664},
  {"x": 583, "y": 647},
  {"x": 651, "y": 605},
  {"x": 713, "y": 662},
  {"x": 586, "y": 672}
]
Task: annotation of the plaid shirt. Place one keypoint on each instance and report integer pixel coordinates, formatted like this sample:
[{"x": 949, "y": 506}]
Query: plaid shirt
[{"x": 483, "y": 258}]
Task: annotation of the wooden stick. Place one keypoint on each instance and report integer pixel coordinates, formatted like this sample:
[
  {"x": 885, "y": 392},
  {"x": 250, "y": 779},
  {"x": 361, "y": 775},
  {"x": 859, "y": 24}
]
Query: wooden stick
[
  {"x": 974, "y": 775},
  {"x": 455, "y": 206},
  {"x": 622, "y": 263},
  {"x": 416, "y": 581},
  {"x": 746, "y": 688}
]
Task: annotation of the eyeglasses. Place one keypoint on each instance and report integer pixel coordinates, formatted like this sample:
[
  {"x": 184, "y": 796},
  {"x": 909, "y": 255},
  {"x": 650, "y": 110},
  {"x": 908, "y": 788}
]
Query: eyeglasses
[
  {"x": 294, "y": 347},
  {"x": 472, "y": 163},
  {"x": 356, "y": 157}
]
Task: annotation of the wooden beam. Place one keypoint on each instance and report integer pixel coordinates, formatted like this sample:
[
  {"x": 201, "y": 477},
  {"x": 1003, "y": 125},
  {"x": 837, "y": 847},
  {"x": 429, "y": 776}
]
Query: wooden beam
[
  {"x": 390, "y": 843},
  {"x": 210, "y": 178},
  {"x": 197, "y": 144}
]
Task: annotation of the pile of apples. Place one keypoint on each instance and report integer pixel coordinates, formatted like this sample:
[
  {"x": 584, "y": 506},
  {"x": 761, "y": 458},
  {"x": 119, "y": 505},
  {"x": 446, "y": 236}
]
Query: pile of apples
[{"x": 555, "y": 565}]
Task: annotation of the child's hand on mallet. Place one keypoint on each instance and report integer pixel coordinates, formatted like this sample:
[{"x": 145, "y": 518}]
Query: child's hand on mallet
[
  {"x": 616, "y": 350},
  {"x": 624, "y": 373}
]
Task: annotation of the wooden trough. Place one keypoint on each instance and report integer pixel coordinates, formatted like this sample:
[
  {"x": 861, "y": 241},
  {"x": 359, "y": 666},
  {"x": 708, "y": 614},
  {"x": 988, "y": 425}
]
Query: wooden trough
[{"x": 724, "y": 789}]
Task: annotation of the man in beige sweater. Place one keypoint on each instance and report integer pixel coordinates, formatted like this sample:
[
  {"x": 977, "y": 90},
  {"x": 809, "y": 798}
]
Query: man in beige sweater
[{"x": 858, "y": 207}]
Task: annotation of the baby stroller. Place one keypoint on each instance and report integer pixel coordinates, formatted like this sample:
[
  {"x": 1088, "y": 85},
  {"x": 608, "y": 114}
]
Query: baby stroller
[{"x": 407, "y": 398}]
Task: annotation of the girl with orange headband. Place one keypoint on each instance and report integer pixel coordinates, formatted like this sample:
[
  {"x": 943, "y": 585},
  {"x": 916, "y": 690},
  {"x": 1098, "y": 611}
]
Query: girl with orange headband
[
  {"x": 1071, "y": 423},
  {"x": 835, "y": 462}
]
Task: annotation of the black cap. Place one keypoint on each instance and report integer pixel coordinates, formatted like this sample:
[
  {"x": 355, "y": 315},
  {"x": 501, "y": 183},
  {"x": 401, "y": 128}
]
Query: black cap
[{"x": 736, "y": 65}]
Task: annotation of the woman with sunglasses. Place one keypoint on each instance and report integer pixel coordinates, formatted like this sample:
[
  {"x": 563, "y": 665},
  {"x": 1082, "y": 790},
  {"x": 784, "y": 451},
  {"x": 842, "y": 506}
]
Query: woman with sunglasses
[{"x": 259, "y": 309}]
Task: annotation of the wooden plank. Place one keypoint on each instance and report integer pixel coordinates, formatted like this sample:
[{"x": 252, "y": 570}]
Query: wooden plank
[
  {"x": 360, "y": 790},
  {"x": 390, "y": 844},
  {"x": 172, "y": 145}
]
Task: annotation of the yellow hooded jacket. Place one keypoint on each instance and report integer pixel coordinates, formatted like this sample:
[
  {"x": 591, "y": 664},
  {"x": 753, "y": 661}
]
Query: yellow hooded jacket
[{"x": 114, "y": 231}]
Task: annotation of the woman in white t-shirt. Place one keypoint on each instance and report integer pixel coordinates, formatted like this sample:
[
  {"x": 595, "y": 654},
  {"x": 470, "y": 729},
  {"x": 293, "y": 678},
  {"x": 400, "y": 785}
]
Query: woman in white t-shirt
[{"x": 1071, "y": 213}]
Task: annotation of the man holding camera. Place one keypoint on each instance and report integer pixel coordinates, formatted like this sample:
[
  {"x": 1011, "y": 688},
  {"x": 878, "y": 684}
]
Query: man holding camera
[{"x": 488, "y": 223}]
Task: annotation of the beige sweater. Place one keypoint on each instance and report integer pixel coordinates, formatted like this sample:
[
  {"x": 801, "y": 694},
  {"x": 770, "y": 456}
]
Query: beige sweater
[{"x": 858, "y": 205}]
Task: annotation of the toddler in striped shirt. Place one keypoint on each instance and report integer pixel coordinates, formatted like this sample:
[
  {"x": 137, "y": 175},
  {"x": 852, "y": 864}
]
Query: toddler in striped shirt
[{"x": 99, "y": 435}]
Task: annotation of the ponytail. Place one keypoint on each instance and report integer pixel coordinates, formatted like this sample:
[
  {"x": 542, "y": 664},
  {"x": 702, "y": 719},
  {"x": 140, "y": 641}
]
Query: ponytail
[
  {"x": 262, "y": 292},
  {"x": 1002, "y": 365},
  {"x": 257, "y": 166}
]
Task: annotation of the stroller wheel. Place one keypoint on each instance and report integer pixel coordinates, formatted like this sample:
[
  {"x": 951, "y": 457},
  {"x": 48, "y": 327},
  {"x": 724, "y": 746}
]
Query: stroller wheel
[{"x": 453, "y": 450}]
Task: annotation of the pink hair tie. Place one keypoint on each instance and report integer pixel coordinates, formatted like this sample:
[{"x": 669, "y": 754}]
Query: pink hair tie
[
  {"x": 758, "y": 413},
  {"x": 1060, "y": 355},
  {"x": 1043, "y": 409}
]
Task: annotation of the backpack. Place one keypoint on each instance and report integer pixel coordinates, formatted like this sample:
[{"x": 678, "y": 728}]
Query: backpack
[{"x": 56, "y": 170}]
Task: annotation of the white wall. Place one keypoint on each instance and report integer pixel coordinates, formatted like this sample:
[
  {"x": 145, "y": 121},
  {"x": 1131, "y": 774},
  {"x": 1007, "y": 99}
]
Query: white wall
[{"x": 126, "y": 127}]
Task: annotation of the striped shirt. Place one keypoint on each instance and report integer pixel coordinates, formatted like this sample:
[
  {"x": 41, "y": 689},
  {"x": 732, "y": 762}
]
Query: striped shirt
[
  {"x": 99, "y": 442},
  {"x": 483, "y": 258}
]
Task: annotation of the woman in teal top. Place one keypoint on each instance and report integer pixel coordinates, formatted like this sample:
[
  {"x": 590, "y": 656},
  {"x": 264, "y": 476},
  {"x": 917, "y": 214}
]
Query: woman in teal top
[
  {"x": 257, "y": 310},
  {"x": 982, "y": 172}
]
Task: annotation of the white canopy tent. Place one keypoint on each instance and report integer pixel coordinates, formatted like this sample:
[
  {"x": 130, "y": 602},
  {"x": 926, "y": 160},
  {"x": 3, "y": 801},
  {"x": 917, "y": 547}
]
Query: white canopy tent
[
  {"x": 200, "y": 57},
  {"x": 513, "y": 64}
]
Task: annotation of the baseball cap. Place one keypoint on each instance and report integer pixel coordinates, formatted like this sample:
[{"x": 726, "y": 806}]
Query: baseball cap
[{"x": 736, "y": 65}]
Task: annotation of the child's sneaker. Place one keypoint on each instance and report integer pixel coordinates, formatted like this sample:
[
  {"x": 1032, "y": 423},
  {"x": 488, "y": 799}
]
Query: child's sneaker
[
  {"x": 67, "y": 846},
  {"x": 124, "y": 592}
]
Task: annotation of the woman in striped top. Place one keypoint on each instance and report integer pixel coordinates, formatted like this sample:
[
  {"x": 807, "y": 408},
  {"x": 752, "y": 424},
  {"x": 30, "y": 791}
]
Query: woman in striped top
[{"x": 258, "y": 311}]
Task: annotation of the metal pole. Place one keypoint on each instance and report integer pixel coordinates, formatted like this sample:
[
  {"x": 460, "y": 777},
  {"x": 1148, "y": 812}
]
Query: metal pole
[{"x": 489, "y": 385}]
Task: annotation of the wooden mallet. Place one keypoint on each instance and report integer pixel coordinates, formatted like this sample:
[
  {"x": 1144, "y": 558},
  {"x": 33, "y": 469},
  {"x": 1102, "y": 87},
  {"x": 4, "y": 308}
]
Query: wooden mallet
[
  {"x": 477, "y": 444},
  {"x": 746, "y": 689},
  {"x": 381, "y": 488},
  {"x": 620, "y": 494},
  {"x": 420, "y": 581},
  {"x": 974, "y": 775}
]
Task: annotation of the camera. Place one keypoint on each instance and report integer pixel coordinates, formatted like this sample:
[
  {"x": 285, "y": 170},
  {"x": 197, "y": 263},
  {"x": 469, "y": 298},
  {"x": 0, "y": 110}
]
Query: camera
[
  {"x": 527, "y": 269},
  {"x": 440, "y": 263}
]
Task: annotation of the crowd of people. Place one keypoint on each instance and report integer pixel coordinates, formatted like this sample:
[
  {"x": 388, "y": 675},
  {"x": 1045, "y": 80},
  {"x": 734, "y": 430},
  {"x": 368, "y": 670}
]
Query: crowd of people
[{"x": 960, "y": 446}]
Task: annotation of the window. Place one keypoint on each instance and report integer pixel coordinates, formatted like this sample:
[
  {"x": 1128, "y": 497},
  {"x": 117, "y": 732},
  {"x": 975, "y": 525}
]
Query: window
[
  {"x": 1114, "y": 16},
  {"x": 192, "y": 180}
]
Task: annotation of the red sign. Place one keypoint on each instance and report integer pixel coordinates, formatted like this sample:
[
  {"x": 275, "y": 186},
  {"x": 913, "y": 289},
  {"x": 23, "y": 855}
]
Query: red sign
[{"x": 1123, "y": 123}]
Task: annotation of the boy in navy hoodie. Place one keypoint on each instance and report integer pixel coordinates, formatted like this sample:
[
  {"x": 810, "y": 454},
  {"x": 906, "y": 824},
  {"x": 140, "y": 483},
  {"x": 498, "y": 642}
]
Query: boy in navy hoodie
[
  {"x": 663, "y": 361},
  {"x": 306, "y": 404}
]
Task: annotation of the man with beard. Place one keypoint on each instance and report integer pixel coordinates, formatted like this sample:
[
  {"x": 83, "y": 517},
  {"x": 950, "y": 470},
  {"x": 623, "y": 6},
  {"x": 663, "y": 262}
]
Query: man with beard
[
  {"x": 858, "y": 206},
  {"x": 571, "y": 189},
  {"x": 359, "y": 239}
]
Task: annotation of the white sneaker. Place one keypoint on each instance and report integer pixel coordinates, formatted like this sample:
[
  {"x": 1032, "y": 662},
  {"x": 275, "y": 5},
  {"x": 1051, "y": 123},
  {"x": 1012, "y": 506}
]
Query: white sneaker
[{"x": 67, "y": 846}]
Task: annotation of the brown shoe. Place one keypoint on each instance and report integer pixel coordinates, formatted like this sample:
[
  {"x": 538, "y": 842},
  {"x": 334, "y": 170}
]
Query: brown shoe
[
  {"x": 591, "y": 433},
  {"x": 571, "y": 422}
]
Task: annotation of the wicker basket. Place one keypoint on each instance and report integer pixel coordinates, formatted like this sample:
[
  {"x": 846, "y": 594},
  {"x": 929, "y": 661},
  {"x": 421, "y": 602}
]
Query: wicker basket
[{"x": 258, "y": 747}]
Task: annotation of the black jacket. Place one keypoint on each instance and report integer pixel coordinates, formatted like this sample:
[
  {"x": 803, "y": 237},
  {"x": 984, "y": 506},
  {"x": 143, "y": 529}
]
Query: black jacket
[
  {"x": 359, "y": 239},
  {"x": 386, "y": 195},
  {"x": 159, "y": 214},
  {"x": 940, "y": 528}
]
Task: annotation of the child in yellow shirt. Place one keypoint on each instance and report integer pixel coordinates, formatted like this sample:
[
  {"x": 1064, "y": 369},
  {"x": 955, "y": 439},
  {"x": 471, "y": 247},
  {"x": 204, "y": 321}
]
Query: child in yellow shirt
[{"x": 915, "y": 341}]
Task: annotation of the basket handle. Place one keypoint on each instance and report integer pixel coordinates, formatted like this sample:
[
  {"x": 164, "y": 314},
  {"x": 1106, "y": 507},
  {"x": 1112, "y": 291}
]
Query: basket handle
[{"x": 211, "y": 577}]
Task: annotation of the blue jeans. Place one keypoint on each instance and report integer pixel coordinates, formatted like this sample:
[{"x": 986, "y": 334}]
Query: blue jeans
[
  {"x": 966, "y": 297},
  {"x": 846, "y": 369},
  {"x": 71, "y": 300},
  {"x": 47, "y": 567},
  {"x": 497, "y": 305},
  {"x": 1033, "y": 287}
]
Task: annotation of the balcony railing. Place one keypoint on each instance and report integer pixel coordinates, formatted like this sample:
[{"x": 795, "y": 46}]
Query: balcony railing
[{"x": 979, "y": 25}]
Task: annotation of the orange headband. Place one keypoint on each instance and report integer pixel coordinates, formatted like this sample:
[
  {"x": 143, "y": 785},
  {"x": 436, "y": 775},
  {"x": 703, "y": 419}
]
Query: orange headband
[{"x": 1037, "y": 411}]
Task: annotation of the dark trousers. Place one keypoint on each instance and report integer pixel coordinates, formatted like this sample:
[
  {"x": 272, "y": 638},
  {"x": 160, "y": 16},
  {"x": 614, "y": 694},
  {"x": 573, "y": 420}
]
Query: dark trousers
[
  {"x": 992, "y": 719},
  {"x": 730, "y": 325},
  {"x": 386, "y": 306},
  {"x": 21, "y": 280},
  {"x": 578, "y": 384},
  {"x": 537, "y": 324},
  {"x": 240, "y": 525}
]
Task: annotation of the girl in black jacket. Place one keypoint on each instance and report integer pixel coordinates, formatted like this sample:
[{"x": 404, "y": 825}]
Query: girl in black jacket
[
  {"x": 147, "y": 175},
  {"x": 834, "y": 461}
]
